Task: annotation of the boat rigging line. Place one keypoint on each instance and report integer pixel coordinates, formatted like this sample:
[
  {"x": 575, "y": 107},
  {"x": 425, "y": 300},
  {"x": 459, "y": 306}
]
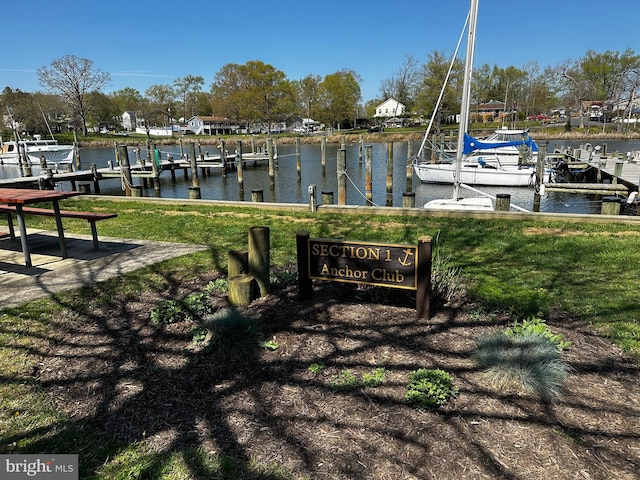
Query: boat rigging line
[{"x": 444, "y": 86}]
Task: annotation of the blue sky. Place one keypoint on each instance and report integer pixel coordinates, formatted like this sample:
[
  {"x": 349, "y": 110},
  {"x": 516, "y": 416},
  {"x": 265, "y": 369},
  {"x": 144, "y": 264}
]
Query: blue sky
[{"x": 142, "y": 43}]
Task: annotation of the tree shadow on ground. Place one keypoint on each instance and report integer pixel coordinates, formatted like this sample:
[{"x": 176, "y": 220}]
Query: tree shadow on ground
[{"x": 108, "y": 368}]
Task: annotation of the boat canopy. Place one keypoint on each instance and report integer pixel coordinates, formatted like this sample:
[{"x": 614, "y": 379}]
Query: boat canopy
[{"x": 471, "y": 144}]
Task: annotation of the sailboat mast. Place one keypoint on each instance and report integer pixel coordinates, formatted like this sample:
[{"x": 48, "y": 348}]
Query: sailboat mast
[{"x": 466, "y": 93}]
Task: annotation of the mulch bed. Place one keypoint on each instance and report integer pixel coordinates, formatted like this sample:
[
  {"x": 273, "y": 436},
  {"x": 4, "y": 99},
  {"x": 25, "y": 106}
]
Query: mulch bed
[{"x": 133, "y": 381}]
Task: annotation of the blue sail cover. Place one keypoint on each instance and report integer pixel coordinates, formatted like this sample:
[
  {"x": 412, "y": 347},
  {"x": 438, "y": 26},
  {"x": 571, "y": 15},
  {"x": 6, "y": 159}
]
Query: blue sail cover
[{"x": 472, "y": 144}]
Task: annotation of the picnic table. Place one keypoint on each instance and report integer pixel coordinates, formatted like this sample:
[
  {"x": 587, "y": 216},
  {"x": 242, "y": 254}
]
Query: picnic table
[{"x": 16, "y": 200}]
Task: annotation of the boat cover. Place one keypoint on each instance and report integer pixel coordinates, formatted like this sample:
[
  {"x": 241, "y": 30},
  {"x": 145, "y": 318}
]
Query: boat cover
[{"x": 472, "y": 144}]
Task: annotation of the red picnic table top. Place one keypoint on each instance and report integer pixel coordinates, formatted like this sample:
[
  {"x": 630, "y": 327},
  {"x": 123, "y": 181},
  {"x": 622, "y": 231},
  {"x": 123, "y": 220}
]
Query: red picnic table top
[{"x": 25, "y": 196}]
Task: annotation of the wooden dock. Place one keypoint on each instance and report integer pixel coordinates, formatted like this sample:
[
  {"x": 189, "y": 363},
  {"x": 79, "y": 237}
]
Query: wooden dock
[
  {"x": 145, "y": 171},
  {"x": 614, "y": 174}
]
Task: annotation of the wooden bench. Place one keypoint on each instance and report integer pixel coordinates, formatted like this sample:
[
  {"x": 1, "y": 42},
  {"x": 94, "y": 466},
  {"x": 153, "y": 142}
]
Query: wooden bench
[{"x": 91, "y": 217}]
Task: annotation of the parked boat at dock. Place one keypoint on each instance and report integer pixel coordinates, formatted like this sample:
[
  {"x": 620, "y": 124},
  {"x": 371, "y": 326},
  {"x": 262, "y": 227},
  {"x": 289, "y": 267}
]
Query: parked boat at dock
[
  {"x": 477, "y": 171},
  {"x": 35, "y": 149},
  {"x": 509, "y": 146}
]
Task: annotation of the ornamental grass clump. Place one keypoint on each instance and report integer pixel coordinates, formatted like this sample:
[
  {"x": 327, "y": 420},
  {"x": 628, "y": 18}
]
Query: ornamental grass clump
[
  {"x": 232, "y": 336},
  {"x": 526, "y": 360}
]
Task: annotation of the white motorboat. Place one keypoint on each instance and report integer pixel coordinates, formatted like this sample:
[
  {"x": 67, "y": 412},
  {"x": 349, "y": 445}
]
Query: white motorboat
[
  {"x": 35, "y": 149},
  {"x": 509, "y": 145}
]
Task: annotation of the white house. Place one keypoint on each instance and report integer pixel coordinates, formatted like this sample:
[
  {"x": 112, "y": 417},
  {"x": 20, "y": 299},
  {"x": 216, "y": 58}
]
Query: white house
[
  {"x": 129, "y": 120},
  {"x": 390, "y": 108},
  {"x": 210, "y": 125}
]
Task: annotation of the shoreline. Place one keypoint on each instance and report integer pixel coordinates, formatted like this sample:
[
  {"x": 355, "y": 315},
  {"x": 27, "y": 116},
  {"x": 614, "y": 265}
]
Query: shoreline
[{"x": 589, "y": 133}]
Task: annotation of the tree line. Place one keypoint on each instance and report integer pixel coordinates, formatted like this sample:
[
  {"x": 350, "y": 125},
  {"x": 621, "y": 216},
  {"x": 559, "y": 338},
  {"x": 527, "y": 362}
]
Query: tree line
[{"x": 255, "y": 92}]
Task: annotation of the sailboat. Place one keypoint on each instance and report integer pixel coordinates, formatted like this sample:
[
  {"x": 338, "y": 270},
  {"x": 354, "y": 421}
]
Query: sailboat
[{"x": 481, "y": 170}]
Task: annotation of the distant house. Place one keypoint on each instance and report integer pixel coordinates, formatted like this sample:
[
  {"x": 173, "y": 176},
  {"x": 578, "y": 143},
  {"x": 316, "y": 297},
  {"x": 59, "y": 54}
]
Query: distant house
[
  {"x": 390, "y": 108},
  {"x": 625, "y": 104},
  {"x": 393, "y": 122},
  {"x": 489, "y": 111},
  {"x": 311, "y": 125},
  {"x": 299, "y": 124},
  {"x": 129, "y": 120},
  {"x": 210, "y": 125}
]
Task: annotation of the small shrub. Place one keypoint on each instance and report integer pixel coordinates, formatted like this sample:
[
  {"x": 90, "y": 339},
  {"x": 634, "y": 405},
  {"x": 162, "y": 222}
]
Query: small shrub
[
  {"x": 283, "y": 277},
  {"x": 537, "y": 326},
  {"x": 199, "y": 335},
  {"x": 166, "y": 311},
  {"x": 197, "y": 305},
  {"x": 344, "y": 381},
  {"x": 234, "y": 337},
  {"x": 445, "y": 279},
  {"x": 374, "y": 378},
  {"x": 219, "y": 285},
  {"x": 526, "y": 360},
  {"x": 430, "y": 389},
  {"x": 316, "y": 368},
  {"x": 193, "y": 307},
  {"x": 270, "y": 344},
  {"x": 446, "y": 283}
]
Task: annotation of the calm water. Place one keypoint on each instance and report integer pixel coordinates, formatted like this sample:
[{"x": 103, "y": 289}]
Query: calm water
[{"x": 287, "y": 188}]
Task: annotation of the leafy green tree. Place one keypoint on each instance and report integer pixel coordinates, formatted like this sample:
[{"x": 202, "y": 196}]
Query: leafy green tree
[
  {"x": 228, "y": 92},
  {"x": 33, "y": 113},
  {"x": 161, "y": 100},
  {"x": 609, "y": 74},
  {"x": 127, "y": 99},
  {"x": 254, "y": 92},
  {"x": 432, "y": 79},
  {"x": 103, "y": 112},
  {"x": 339, "y": 97},
  {"x": 73, "y": 78},
  {"x": 205, "y": 106}
]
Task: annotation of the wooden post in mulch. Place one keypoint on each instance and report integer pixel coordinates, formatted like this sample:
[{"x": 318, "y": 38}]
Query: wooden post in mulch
[
  {"x": 242, "y": 289},
  {"x": 238, "y": 262},
  {"x": 423, "y": 291},
  {"x": 259, "y": 257},
  {"x": 305, "y": 287}
]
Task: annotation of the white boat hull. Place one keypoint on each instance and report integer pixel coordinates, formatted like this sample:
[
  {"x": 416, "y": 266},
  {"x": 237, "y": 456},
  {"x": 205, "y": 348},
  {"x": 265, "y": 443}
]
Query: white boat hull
[
  {"x": 53, "y": 153},
  {"x": 506, "y": 176},
  {"x": 482, "y": 204}
]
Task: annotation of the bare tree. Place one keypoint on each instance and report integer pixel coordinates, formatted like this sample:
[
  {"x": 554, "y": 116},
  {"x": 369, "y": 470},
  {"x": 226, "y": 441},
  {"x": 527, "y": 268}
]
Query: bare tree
[
  {"x": 187, "y": 88},
  {"x": 402, "y": 86},
  {"x": 73, "y": 78}
]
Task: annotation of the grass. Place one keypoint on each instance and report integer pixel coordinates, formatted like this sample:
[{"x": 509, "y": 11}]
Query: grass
[{"x": 524, "y": 267}]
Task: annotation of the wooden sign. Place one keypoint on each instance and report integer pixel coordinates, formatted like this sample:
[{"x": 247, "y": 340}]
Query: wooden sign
[
  {"x": 385, "y": 265},
  {"x": 378, "y": 264}
]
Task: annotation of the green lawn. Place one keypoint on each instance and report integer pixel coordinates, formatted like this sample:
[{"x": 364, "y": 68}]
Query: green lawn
[{"x": 524, "y": 267}]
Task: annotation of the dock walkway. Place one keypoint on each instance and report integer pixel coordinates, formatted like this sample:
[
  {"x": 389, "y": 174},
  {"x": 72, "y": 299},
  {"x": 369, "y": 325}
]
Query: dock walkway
[{"x": 621, "y": 169}]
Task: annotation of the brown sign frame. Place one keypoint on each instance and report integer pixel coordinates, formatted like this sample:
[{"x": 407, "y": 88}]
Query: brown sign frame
[{"x": 366, "y": 263}]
